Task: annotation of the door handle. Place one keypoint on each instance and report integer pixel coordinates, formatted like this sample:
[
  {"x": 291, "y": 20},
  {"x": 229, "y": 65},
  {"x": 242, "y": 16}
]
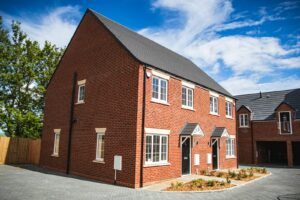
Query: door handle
[{"x": 185, "y": 158}]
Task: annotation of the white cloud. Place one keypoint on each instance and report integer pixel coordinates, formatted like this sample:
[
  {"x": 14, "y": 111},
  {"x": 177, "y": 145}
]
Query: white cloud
[
  {"x": 251, "y": 84},
  {"x": 198, "y": 38},
  {"x": 56, "y": 26}
]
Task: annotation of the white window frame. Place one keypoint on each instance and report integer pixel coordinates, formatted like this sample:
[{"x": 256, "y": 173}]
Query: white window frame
[
  {"x": 187, "y": 89},
  {"x": 227, "y": 104},
  {"x": 290, "y": 114},
  {"x": 242, "y": 120},
  {"x": 56, "y": 142},
  {"x": 151, "y": 132},
  {"x": 159, "y": 99},
  {"x": 81, "y": 84},
  {"x": 214, "y": 106},
  {"x": 100, "y": 133},
  {"x": 230, "y": 144}
]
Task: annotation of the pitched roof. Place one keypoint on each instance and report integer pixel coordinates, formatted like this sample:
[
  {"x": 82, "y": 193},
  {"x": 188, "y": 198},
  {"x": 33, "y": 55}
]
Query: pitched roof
[
  {"x": 263, "y": 108},
  {"x": 192, "y": 129},
  {"x": 157, "y": 56},
  {"x": 219, "y": 131}
]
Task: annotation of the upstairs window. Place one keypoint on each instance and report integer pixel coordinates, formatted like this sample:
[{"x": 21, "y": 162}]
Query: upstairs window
[
  {"x": 159, "y": 89},
  {"x": 81, "y": 91},
  {"x": 285, "y": 122},
  {"x": 187, "y": 97},
  {"x": 214, "y": 105},
  {"x": 228, "y": 107},
  {"x": 244, "y": 120}
]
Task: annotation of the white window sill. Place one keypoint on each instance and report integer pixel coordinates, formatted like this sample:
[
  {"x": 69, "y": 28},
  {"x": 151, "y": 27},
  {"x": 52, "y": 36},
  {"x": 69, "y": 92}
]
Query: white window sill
[
  {"x": 230, "y": 157},
  {"x": 244, "y": 127},
  {"x": 157, "y": 164},
  {"x": 99, "y": 161},
  {"x": 285, "y": 133},
  {"x": 160, "y": 102},
  {"x": 79, "y": 102},
  {"x": 229, "y": 117},
  {"x": 187, "y": 108},
  {"x": 54, "y": 155},
  {"x": 216, "y": 114}
]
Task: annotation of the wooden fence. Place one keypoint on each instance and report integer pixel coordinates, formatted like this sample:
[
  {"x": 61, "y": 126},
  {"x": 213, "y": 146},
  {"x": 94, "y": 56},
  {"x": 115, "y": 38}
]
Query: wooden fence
[{"x": 19, "y": 150}]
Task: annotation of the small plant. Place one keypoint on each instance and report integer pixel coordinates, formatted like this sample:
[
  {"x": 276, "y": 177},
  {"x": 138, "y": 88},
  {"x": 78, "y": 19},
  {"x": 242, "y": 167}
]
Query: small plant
[
  {"x": 239, "y": 176},
  {"x": 203, "y": 172},
  {"x": 211, "y": 183},
  {"x": 198, "y": 183},
  {"x": 264, "y": 170},
  {"x": 228, "y": 180},
  {"x": 250, "y": 173},
  {"x": 220, "y": 174},
  {"x": 176, "y": 185},
  {"x": 222, "y": 183},
  {"x": 232, "y": 174}
]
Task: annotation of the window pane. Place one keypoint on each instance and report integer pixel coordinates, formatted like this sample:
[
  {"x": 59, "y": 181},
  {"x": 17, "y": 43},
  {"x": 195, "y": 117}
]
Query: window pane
[
  {"x": 81, "y": 92},
  {"x": 285, "y": 122},
  {"x": 184, "y": 96},
  {"x": 163, "y": 90},
  {"x": 245, "y": 120},
  {"x": 190, "y": 98},
  {"x": 156, "y": 143},
  {"x": 229, "y": 109},
  {"x": 154, "y": 88},
  {"x": 148, "y": 148},
  {"x": 211, "y": 104},
  {"x": 215, "y": 105},
  {"x": 164, "y": 148}
]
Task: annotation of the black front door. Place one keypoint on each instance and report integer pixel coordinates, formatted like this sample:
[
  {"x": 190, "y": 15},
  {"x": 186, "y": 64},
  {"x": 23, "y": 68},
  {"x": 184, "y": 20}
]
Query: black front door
[
  {"x": 186, "y": 142},
  {"x": 215, "y": 153}
]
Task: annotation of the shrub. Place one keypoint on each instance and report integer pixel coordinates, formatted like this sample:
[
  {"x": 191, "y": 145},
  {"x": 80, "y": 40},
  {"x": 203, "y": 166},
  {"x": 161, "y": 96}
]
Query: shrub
[
  {"x": 211, "y": 183},
  {"x": 198, "y": 183},
  {"x": 251, "y": 173},
  {"x": 232, "y": 174},
  {"x": 203, "y": 172},
  {"x": 264, "y": 170},
  {"x": 228, "y": 180},
  {"x": 220, "y": 174}
]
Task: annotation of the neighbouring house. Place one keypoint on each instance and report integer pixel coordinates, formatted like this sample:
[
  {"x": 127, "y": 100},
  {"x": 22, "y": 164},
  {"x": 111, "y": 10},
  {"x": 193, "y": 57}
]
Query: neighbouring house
[
  {"x": 117, "y": 93},
  {"x": 269, "y": 128}
]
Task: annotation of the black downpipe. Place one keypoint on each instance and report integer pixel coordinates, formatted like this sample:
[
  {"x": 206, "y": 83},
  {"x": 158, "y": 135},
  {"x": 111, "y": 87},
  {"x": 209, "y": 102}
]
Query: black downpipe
[
  {"x": 71, "y": 122},
  {"x": 143, "y": 128}
]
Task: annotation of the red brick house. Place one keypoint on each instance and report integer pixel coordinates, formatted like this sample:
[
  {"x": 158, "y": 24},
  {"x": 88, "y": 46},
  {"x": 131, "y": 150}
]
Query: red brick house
[
  {"x": 117, "y": 93},
  {"x": 269, "y": 128}
]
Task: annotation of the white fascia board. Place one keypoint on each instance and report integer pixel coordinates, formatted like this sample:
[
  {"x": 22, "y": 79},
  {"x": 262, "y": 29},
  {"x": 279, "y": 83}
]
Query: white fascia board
[
  {"x": 100, "y": 130},
  {"x": 160, "y": 74},
  {"x": 229, "y": 99},
  {"x": 57, "y": 130},
  {"x": 81, "y": 82},
  {"x": 213, "y": 94},
  {"x": 188, "y": 84},
  {"x": 157, "y": 131}
]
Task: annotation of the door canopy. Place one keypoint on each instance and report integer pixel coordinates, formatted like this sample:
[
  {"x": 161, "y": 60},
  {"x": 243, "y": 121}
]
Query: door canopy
[
  {"x": 219, "y": 132},
  {"x": 192, "y": 129}
]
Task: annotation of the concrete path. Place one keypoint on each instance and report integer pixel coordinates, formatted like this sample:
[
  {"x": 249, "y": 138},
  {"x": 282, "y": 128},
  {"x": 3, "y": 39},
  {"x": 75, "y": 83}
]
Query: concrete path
[{"x": 27, "y": 184}]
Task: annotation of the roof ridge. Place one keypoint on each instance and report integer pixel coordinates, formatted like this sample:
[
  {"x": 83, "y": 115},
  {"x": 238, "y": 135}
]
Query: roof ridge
[{"x": 267, "y": 92}]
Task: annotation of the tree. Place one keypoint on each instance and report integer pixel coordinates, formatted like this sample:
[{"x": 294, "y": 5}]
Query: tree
[{"x": 25, "y": 70}]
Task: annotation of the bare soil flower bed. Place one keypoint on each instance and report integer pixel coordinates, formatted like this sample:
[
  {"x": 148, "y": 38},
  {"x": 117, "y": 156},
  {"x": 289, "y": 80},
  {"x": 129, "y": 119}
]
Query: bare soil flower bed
[
  {"x": 199, "y": 185},
  {"x": 239, "y": 175}
]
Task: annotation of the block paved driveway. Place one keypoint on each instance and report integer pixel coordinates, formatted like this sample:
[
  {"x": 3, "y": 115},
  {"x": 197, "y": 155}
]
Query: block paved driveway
[{"x": 29, "y": 182}]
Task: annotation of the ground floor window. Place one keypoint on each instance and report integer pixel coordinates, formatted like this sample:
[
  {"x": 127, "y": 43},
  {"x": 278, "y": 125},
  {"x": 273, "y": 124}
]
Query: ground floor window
[
  {"x": 230, "y": 147},
  {"x": 100, "y": 144},
  {"x": 156, "y": 148},
  {"x": 56, "y": 142}
]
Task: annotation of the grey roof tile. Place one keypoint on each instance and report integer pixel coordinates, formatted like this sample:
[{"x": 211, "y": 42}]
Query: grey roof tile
[
  {"x": 218, "y": 132},
  {"x": 189, "y": 128},
  {"x": 155, "y": 55},
  {"x": 263, "y": 108}
]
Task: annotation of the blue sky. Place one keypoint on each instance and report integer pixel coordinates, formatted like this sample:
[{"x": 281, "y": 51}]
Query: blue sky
[{"x": 247, "y": 47}]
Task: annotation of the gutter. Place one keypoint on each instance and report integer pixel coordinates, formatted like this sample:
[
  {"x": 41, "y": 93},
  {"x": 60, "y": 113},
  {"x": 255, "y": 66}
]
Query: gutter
[
  {"x": 143, "y": 127},
  {"x": 72, "y": 121}
]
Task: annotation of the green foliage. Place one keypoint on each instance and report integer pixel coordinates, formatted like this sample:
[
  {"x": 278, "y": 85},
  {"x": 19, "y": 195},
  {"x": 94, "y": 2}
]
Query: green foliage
[
  {"x": 25, "y": 70},
  {"x": 211, "y": 183}
]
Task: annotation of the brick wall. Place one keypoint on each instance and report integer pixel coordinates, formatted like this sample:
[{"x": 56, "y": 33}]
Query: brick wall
[
  {"x": 173, "y": 117},
  {"x": 265, "y": 131},
  {"x": 111, "y": 102}
]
